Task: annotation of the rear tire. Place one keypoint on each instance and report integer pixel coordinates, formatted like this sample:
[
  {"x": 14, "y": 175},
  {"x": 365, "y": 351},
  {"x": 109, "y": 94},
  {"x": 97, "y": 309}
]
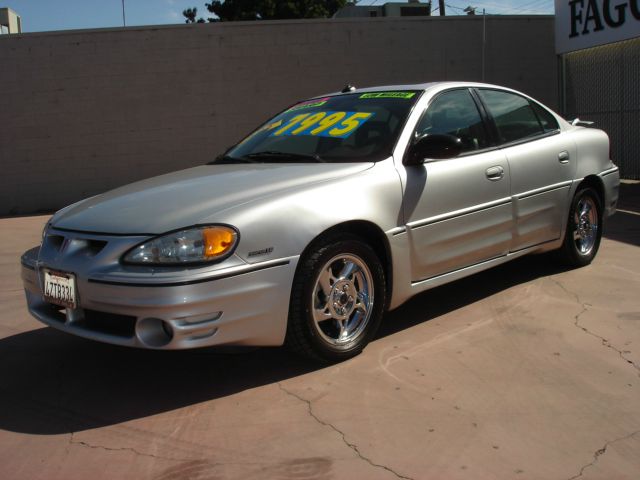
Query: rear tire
[
  {"x": 584, "y": 229},
  {"x": 337, "y": 300}
]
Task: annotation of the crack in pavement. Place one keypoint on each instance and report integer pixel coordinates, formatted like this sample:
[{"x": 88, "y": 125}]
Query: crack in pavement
[
  {"x": 210, "y": 464},
  {"x": 601, "y": 451},
  {"x": 73, "y": 441},
  {"x": 576, "y": 322},
  {"x": 352, "y": 446}
]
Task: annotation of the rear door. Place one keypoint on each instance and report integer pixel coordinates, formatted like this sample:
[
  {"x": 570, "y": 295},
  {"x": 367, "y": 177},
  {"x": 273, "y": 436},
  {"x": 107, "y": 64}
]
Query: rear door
[{"x": 542, "y": 164}]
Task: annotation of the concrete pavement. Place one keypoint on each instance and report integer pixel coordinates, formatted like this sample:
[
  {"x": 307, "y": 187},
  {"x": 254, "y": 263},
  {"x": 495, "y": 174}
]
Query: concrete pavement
[{"x": 527, "y": 371}]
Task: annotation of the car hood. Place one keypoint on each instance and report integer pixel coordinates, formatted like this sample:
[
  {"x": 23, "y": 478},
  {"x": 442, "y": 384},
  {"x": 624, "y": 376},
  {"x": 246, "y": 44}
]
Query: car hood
[{"x": 189, "y": 197}]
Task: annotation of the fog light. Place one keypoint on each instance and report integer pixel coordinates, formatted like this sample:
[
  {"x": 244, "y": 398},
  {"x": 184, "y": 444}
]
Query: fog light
[{"x": 154, "y": 332}]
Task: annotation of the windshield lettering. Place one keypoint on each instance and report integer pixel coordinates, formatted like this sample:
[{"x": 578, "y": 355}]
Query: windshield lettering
[
  {"x": 319, "y": 124},
  {"x": 337, "y": 128}
]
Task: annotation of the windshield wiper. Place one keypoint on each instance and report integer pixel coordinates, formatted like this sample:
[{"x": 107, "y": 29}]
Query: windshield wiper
[
  {"x": 225, "y": 159},
  {"x": 284, "y": 156}
]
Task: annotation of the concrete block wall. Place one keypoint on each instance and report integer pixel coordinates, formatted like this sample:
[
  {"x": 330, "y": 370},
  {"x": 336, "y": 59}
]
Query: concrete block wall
[{"x": 82, "y": 112}]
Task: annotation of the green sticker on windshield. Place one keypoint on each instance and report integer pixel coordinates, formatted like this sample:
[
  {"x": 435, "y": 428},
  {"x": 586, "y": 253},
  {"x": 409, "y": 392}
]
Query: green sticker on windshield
[{"x": 405, "y": 95}]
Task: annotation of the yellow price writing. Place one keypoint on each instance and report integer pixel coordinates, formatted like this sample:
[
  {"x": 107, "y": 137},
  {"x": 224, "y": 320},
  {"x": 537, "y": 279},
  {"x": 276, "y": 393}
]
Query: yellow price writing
[
  {"x": 321, "y": 123},
  {"x": 291, "y": 123},
  {"x": 350, "y": 124},
  {"x": 309, "y": 122},
  {"x": 328, "y": 122}
]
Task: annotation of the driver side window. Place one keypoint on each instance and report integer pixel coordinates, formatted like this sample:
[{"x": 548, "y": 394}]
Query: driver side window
[{"x": 455, "y": 113}]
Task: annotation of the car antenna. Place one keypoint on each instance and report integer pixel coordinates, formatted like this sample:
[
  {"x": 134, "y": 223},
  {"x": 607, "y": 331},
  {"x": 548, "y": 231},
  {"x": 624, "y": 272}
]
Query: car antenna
[{"x": 348, "y": 88}]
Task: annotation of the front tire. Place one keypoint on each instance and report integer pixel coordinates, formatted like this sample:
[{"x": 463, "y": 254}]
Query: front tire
[
  {"x": 337, "y": 300},
  {"x": 584, "y": 229}
]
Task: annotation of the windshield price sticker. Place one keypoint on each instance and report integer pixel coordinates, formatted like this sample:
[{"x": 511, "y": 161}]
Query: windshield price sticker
[
  {"x": 324, "y": 124},
  {"x": 405, "y": 95}
]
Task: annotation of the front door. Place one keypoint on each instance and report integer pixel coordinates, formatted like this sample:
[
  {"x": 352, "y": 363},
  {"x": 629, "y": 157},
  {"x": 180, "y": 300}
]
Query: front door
[{"x": 458, "y": 211}]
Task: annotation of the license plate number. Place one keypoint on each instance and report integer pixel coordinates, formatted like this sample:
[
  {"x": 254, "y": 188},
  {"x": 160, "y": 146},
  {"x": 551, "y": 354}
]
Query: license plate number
[{"x": 60, "y": 288}]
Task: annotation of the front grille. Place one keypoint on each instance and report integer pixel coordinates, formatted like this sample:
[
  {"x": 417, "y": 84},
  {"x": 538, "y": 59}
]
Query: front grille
[
  {"x": 95, "y": 246},
  {"x": 72, "y": 245},
  {"x": 108, "y": 323},
  {"x": 53, "y": 312},
  {"x": 55, "y": 241}
]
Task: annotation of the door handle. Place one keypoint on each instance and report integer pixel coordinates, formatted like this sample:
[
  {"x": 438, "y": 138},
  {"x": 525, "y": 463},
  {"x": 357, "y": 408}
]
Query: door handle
[
  {"x": 495, "y": 173},
  {"x": 563, "y": 157}
]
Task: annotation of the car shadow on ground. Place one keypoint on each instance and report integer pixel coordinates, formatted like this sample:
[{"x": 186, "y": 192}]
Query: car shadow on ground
[
  {"x": 55, "y": 383},
  {"x": 453, "y": 296},
  {"x": 624, "y": 226}
]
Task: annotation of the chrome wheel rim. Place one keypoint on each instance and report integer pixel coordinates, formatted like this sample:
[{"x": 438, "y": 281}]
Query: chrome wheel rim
[
  {"x": 342, "y": 300},
  {"x": 585, "y": 221}
]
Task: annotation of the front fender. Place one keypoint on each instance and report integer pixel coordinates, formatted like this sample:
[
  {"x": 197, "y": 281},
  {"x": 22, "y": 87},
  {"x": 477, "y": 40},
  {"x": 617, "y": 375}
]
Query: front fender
[{"x": 282, "y": 225}]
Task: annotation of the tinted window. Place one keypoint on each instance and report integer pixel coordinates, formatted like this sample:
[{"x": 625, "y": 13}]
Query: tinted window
[
  {"x": 513, "y": 115},
  {"x": 455, "y": 113},
  {"x": 547, "y": 120}
]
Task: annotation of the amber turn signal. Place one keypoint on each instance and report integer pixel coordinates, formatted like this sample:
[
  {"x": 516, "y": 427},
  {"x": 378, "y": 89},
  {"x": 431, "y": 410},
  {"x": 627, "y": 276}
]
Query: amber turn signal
[{"x": 217, "y": 240}]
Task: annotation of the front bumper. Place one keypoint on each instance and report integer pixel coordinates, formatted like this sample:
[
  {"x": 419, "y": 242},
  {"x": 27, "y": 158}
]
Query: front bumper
[{"x": 241, "y": 305}]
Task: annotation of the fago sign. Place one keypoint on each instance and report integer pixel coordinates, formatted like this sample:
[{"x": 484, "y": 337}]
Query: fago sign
[{"x": 588, "y": 23}]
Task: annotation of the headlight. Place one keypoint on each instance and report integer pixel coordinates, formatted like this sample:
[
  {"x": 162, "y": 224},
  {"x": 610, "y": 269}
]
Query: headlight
[{"x": 193, "y": 245}]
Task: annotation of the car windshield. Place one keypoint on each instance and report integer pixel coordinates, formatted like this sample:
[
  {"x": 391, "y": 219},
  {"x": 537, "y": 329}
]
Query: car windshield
[{"x": 356, "y": 127}]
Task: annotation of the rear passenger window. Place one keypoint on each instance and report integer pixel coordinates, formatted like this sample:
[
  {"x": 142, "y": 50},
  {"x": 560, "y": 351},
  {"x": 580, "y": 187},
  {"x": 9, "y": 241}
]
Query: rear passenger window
[
  {"x": 547, "y": 120},
  {"x": 455, "y": 113},
  {"x": 513, "y": 115}
]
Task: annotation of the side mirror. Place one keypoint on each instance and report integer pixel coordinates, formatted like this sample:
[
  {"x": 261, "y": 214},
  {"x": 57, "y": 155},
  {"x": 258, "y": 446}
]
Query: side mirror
[{"x": 433, "y": 146}]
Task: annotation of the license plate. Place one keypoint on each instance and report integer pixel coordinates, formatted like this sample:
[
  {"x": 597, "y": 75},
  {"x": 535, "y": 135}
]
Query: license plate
[{"x": 60, "y": 288}]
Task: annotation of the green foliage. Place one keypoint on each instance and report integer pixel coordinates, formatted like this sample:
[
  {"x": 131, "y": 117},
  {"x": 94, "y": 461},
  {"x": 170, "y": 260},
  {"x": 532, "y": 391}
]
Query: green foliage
[
  {"x": 231, "y": 10},
  {"x": 190, "y": 15}
]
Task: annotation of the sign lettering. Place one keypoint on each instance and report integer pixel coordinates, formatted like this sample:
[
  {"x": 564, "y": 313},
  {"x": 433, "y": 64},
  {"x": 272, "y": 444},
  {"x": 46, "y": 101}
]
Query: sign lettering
[{"x": 589, "y": 23}]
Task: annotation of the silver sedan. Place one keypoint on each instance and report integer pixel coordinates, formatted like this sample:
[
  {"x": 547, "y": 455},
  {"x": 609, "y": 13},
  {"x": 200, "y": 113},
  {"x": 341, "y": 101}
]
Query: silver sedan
[{"x": 334, "y": 211}]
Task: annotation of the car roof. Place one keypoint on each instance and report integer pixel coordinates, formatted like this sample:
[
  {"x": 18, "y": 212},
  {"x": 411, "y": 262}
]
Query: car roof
[
  {"x": 439, "y": 86},
  {"x": 416, "y": 86}
]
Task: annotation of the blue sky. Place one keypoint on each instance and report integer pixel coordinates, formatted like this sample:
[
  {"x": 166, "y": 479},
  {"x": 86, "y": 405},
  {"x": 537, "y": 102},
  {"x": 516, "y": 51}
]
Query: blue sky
[{"x": 44, "y": 15}]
